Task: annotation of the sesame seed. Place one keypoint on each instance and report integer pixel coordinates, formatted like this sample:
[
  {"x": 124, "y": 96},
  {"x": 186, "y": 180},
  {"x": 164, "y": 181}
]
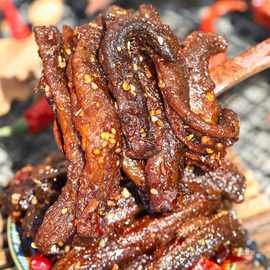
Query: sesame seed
[
  {"x": 78, "y": 112},
  {"x": 115, "y": 267},
  {"x": 119, "y": 49},
  {"x": 148, "y": 73},
  {"x": 112, "y": 141},
  {"x": 125, "y": 193},
  {"x": 210, "y": 96},
  {"x": 94, "y": 86},
  {"x": 118, "y": 151},
  {"x": 161, "y": 84},
  {"x": 209, "y": 150},
  {"x": 101, "y": 160},
  {"x": 104, "y": 144},
  {"x": 110, "y": 203},
  {"x": 34, "y": 200},
  {"x": 154, "y": 118},
  {"x": 126, "y": 86},
  {"x": 105, "y": 136},
  {"x": 15, "y": 197},
  {"x": 102, "y": 243},
  {"x": 135, "y": 67},
  {"x": 141, "y": 58},
  {"x": 64, "y": 211},
  {"x": 153, "y": 191},
  {"x": 68, "y": 51},
  {"x": 96, "y": 151},
  {"x": 33, "y": 245},
  {"x": 160, "y": 40},
  {"x": 87, "y": 78},
  {"x": 92, "y": 59},
  {"x": 160, "y": 123},
  {"x": 60, "y": 243},
  {"x": 61, "y": 62},
  {"x": 205, "y": 139},
  {"x": 54, "y": 249},
  {"x": 113, "y": 130},
  {"x": 219, "y": 146},
  {"x": 132, "y": 87},
  {"x": 190, "y": 137},
  {"x": 143, "y": 135},
  {"x": 67, "y": 248},
  {"x": 142, "y": 130}
]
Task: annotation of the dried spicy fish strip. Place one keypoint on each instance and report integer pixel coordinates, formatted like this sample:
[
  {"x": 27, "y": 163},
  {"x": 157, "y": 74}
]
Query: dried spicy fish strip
[
  {"x": 124, "y": 86},
  {"x": 99, "y": 129},
  {"x": 141, "y": 237},
  {"x": 163, "y": 170},
  {"x": 223, "y": 229},
  {"x": 58, "y": 224},
  {"x": 226, "y": 181}
]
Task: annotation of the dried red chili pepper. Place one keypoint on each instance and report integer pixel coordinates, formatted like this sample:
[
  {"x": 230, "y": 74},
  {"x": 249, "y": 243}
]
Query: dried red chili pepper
[
  {"x": 218, "y": 9},
  {"x": 210, "y": 16},
  {"x": 36, "y": 118},
  {"x": 39, "y": 262},
  {"x": 261, "y": 12},
  {"x": 19, "y": 29},
  {"x": 206, "y": 264}
]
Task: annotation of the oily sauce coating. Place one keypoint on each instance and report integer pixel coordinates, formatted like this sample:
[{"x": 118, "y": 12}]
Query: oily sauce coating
[
  {"x": 142, "y": 236},
  {"x": 58, "y": 224},
  {"x": 100, "y": 134},
  {"x": 125, "y": 87},
  {"x": 187, "y": 124},
  {"x": 163, "y": 170},
  {"x": 222, "y": 230},
  {"x": 226, "y": 181}
]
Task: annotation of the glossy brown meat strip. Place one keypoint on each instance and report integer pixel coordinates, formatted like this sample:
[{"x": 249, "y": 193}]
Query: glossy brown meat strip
[
  {"x": 173, "y": 84},
  {"x": 198, "y": 47},
  {"x": 124, "y": 86},
  {"x": 139, "y": 263},
  {"x": 58, "y": 227},
  {"x": 100, "y": 134},
  {"x": 226, "y": 181},
  {"x": 141, "y": 237},
  {"x": 163, "y": 170},
  {"x": 222, "y": 230},
  {"x": 134, "y": 170}
]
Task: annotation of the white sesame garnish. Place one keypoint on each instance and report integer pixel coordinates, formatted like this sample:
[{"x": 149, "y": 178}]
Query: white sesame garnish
[
  {"x": 160, "y": 40},
  {"x": 125, "y": 193},
  {"x": 154, "y": 191}
]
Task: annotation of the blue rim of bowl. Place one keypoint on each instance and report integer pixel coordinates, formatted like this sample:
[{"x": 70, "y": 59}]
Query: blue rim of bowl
[{"x": 14, "y": 244}]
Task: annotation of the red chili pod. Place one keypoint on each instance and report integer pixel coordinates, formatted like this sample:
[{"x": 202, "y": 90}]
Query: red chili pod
[
  {"x": 19, "y": 29},
  {"x": 39, "y": 262},
  {"x": 39, "y": 115}
]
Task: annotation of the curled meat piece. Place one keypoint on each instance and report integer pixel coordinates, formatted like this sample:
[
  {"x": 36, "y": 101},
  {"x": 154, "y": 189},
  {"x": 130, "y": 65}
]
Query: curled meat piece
[
  {"x": 206, "y": 141},
  {"x": 58, "y": 226},
  {"x": 163, "y": 170},
  {"x": 99, "y": 189},
  {"x": 221, "y": 230},
  {"x": 225, "y": 181},
  {"x": 125, "y": 87},
  {"x": 142, "y": 236}
]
